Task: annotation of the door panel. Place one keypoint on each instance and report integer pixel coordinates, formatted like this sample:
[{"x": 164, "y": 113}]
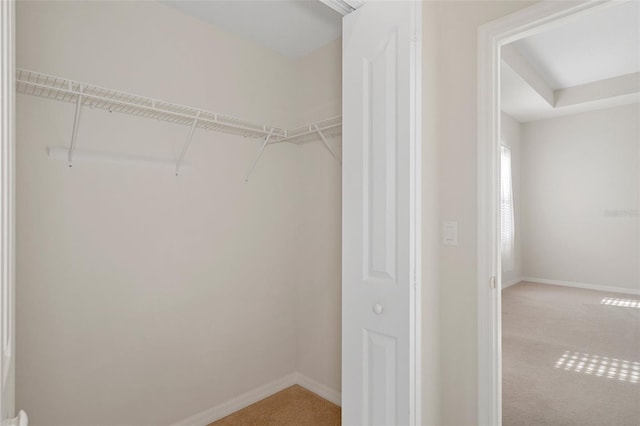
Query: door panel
[
  {"x": 379, "y": 152},
  {"x": 378, "y": 215},
  {"x": 379, "y": 379}
]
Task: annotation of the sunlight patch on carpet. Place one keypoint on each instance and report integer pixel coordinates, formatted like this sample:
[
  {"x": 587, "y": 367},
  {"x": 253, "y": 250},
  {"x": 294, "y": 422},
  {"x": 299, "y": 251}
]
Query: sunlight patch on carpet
[
  {"x": 600, "y": 366},
  {"x": 625, "y": 303}
]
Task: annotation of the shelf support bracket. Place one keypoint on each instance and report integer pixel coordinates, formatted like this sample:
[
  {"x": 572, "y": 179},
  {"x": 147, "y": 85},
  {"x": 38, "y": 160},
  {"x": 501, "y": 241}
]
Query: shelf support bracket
[
  {"x": 326, "y": 144},
  {"x": 260, "y": 151},
  {"x": 76, "y": 124},
  {"x": 185, "y": 147}
]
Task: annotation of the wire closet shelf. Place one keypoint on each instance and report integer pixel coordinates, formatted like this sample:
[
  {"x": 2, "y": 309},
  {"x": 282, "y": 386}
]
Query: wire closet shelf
[{"x": 62, "y": 89}]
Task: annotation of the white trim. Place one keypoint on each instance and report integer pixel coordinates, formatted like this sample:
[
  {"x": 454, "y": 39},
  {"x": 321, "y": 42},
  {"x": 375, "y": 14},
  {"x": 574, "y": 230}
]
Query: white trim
[
  {"x": 239, "y": 402},
  {"x": 416, "y": 211},
  {"x": 512, "y": 282},
  {"x": 341, "y": 6},
  {"x": 212, "y": 414},
  {"x": 631, "y": 291},
  {"x": 7, "y": 209},
  {"x": 319, "y": 389},
  {"x": 491, "y": 36}
]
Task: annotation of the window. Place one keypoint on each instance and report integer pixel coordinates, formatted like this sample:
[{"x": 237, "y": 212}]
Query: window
[{"x": 507, "y": 226}]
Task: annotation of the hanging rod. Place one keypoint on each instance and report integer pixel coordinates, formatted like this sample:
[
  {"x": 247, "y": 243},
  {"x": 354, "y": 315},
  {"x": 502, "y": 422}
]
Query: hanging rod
[{"x": 62, "y": 153}]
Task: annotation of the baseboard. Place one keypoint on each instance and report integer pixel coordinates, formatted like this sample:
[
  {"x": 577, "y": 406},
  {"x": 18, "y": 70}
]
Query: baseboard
[
  {"x": 635, "y": 292},
  {"x": 238, "y": 403},
  {"x": 512, "y": 282},
  {"x": 242, "y": 401},
  {"x": 319, "y": 389}
]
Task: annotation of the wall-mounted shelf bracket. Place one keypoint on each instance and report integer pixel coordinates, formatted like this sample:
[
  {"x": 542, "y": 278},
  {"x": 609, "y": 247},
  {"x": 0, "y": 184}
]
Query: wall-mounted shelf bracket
[
  {"x": 326, "y": 144},
  {"x": 187, "y": 143},
  {"x": 76, "y": 124},
  {"x": 260, "y": 151},
  {"x": 329, "y": 128}
]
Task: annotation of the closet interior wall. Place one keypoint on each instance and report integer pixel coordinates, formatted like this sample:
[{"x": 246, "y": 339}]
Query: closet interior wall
[
  {"x": 144, "y": 297},
  {"x": 318, "y": 305}
]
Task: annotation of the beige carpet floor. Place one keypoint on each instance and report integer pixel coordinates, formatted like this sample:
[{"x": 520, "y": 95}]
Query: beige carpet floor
[
  {"x": 570, "y": 357},
  {"x": 294, "y": 406}
]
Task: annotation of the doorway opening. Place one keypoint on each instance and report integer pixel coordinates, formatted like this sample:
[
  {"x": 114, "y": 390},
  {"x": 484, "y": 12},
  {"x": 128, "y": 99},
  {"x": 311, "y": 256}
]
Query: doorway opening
[{"x": 502, "y": 184}]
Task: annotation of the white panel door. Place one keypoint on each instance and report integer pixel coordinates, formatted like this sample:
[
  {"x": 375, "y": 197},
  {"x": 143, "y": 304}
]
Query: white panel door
[{"x": 380, "y": 172}]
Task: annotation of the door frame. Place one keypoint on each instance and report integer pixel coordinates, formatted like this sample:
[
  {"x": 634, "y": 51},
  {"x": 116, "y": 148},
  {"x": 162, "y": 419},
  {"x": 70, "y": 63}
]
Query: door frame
[
  {"x": 7, "y": 208},
  {"x": 491, "y": 37}
]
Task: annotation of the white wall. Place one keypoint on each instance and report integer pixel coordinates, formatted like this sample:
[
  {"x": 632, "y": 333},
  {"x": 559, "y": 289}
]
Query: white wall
[
  {"x": 451, "y": 136},
  {"x": 144, "y": 298},
  {"x": 430, "y": 324},
  {"x": 319, "y": 226},
  {"x": 580, "y": 187},
  {"x": 510, "y": 136}
]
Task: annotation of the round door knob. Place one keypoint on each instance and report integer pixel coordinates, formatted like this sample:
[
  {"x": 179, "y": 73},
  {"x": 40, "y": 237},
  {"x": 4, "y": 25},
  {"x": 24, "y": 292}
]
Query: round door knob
[{"x": 377, "y": 309}]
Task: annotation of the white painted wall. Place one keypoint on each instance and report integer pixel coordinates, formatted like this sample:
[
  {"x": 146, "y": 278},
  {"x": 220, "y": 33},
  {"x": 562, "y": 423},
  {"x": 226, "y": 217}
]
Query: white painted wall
[
  {"x": 319, "y": 225},
  {"x": 144, "y": 298},
  {"x": 510, "y": 135},
  {"x": 580, "y": 185},
  {"x": 450, "y": 137},
  {"x": 431, "y": 286}
]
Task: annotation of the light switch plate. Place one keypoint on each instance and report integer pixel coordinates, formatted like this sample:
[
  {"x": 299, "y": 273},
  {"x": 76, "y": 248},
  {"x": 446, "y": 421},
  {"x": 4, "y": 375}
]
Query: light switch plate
[{"x": 450, "y": 233}]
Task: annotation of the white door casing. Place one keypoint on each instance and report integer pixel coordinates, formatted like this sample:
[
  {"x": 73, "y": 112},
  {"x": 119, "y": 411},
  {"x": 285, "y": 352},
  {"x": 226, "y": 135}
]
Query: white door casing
[
  {"x": 491, "y": 37},
  {"x": 381, "y": 201},
  {"x": 7, "y": 209}
]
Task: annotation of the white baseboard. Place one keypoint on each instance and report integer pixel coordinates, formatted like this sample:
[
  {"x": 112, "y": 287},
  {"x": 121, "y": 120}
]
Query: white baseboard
[
  {"x": 622, "y": 290},
  {"x": 219, "y": 411},
  {"x": 242, "y": 401},
  {"x": 319, "y": 389},
  {"x": 512, "y": 282}
]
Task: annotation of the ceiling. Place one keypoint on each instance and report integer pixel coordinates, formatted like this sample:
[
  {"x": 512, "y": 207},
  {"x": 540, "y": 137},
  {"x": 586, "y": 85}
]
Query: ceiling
[
  {"x": 594, "y": 60},
  {"x": 598, "y": 46},
  {"x": 291, "y": 27}
]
